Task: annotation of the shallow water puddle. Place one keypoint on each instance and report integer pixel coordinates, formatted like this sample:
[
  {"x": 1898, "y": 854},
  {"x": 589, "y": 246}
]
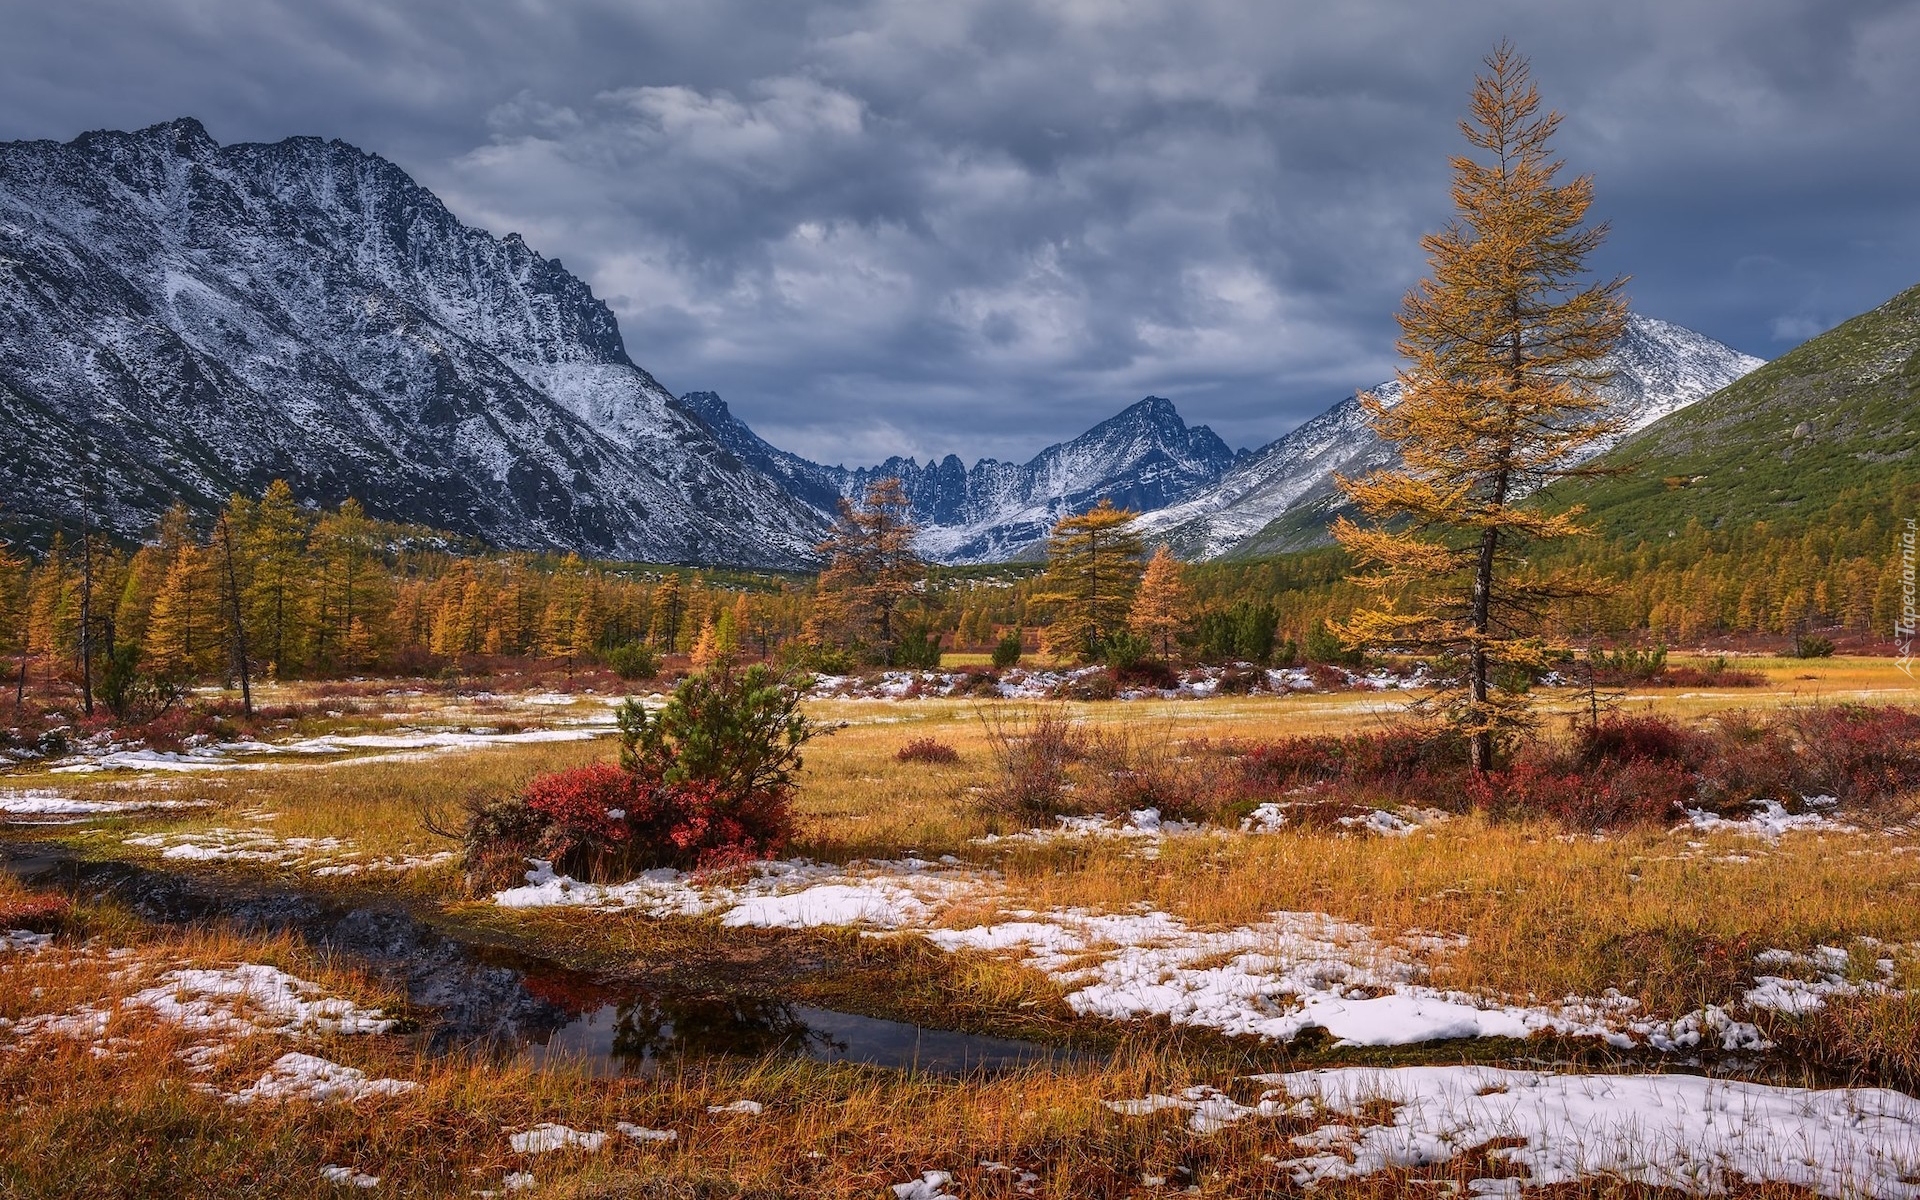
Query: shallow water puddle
[{"x": 642, "y": 1035}]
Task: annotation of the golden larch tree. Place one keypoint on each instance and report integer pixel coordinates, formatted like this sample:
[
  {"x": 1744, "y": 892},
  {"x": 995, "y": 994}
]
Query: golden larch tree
[
  {"x": 1161, "y": 606},
  {"x": 1093, "y": 565},
  {"x": 1505, "y": 341},
  {"x": 870, "y": 574}
]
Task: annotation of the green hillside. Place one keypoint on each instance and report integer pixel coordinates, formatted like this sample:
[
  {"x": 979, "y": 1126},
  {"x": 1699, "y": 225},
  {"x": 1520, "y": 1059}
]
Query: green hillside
[{"x": 1835, "y": 415}]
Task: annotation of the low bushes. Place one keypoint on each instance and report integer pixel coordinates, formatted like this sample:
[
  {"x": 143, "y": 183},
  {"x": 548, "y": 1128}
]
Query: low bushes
[
  {"x": 926, "y": 750},
  {"x": 1626, "y": 770},
  {"x": 1648, "y": 768},
  {"x": 1033, "y": 751},
  {"x": 1415, "y": 764},
  {"x": 707, "y": 781}
]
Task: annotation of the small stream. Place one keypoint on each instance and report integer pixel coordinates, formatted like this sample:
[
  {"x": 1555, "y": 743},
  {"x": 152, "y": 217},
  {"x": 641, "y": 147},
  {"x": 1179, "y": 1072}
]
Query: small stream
[{"x": 481, "y": 997}]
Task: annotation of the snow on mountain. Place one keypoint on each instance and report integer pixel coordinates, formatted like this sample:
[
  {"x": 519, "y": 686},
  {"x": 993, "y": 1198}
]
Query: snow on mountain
[
  {"x": 1145, "y": 457},
  {"x": 183, "y": 319},
  {"x": 1282, "y": 496}
]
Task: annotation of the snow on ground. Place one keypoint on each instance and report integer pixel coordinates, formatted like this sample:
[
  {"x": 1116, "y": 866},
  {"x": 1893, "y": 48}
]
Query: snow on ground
[
  {"x": 1211, "y": 1110},
  {"x": 547, "y": 1137},
  {"x": 1825, "y": 973},
  {"x": 640, "y": 1133},
  {"x": 1297, "y": 971},
  {"x": 1272, "y": 816},
  {"x": 1687, "y": 1132},
  {"x": 1021, "y": 683},
  {"x": 1771, "y": 821},
  {"x": 932, "y": 1185},
  {"x": 222, "y": 1003},
  {"x": 1144, "y": 824},
  {"x": 252, "y": 998},
  {"x": 320, "y": 856},
  {"x": 794, "y": 894},
  {"x": 744, "y": 1108},
  {"x": 42, "y": 803},
  {"x": 347, "y": 1177},
  {"x": 309, "y": 1077},
  {"x": 359, "y": 748}
]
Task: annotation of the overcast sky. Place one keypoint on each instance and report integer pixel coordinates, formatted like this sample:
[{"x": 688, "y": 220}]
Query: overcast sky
[{"x": 922, "y": 226}]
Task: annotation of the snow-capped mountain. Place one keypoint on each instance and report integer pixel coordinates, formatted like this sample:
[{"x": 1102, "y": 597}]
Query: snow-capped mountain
[
  {"x": 180, "y": 319},
  {"x": 1146, "y": 457},
  {"x": 1282, "y": 496}
]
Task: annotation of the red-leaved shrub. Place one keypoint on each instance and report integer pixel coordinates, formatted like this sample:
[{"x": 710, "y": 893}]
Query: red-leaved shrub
[
  {"x": 926, "y": 750},
  {"x": 706, "y": 782},
  {"x": 1609, "y": 795},
  {"x": 1854, "y": 752}
]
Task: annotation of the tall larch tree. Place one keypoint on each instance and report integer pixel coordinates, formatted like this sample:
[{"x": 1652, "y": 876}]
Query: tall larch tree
[
  {"x": 274, "y": 547},
  {"x": 871, "y": 572},
  {"x": 1093, "y": 565},
  {"x": 1163, "y": 604},
  {"x": 185, "y": 626},
  {"x": 13, "y": 619},
  {"x": 1505, "y": 342},
  {"x": 669, "y": 613}
]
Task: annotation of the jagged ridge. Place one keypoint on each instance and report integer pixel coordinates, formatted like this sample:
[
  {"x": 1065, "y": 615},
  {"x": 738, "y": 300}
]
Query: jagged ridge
[
  {"x": 182, "y": 319},
  {"x": 1283, "y": 496}
]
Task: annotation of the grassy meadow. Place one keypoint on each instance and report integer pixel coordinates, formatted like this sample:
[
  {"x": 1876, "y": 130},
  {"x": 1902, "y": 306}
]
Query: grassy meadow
[{"x": 1521, "y": 910}]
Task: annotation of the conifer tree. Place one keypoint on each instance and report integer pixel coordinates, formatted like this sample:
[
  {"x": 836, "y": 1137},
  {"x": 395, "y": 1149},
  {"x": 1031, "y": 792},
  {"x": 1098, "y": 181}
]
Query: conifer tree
[
  {"x": 1504, "y": 342},
  {"x": 274, "y": 546},
  {"x": 238, "y": 657},
  {"x": 353, "y": 592},
  {"x": 183, "y": 626},
  {"x": 1093, "y": 564},
  {"x": 1163, "y": 602},
  {"x": 871, "y": 571},
  {"x": 13, "y": 617},
  {"x": 669, "y": 609}
]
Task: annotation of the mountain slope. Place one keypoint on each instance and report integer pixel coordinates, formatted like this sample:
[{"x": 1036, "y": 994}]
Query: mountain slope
[
  {"x": 1283, "y": 496},
  {"x": 1840, "y": 412},
  {"x": 183, "y": 319},
  {"x": 1145, "y": 457}
]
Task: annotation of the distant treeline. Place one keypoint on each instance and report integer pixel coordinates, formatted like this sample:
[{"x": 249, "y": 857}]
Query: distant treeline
[{"x": 318, "y": 594}]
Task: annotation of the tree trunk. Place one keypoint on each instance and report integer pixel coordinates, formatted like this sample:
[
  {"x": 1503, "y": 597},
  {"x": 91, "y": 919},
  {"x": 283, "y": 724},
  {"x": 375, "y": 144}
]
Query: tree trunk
[
  {"x": 1480, "y": 742},
  {"x": 239, "y": 644},
  {"x": 86, "y": 612}
]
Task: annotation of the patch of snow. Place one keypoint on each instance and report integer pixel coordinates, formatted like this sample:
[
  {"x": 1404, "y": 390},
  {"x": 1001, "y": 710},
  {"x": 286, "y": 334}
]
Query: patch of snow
[
  {"x": 1212, "y": 1110},
  {"x": 1771, "y": 821},
  {"x": 1298, "y": 971},
  {"x": 1689, "y": 1133},
  {"x": 309, "y": 1077},
  {"x": 744, "y": 1108},
  {"x": 887, "y": 894},
  {"x": 932, "y": 1185},
  {"x": 1829, "y": 967},
  {"x": 547, "y": 1137},
  {"x": 348, "y": 1177},
  {"x": 41, "y": 802},
  {"x": 321, "y": 856},
  {"x": 1144, "y": 823},
  {"x": 640, "y": 1133}
]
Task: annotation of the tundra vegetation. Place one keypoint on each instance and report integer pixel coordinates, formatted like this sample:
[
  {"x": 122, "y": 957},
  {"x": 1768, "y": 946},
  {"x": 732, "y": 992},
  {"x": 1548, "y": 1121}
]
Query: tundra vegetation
[{"x": 348, "y": 858}]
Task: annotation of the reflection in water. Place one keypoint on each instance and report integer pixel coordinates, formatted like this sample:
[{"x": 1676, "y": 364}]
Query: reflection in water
[
  {"x": 640, "y": 1035},
  {"x": 472, "y": 997}
]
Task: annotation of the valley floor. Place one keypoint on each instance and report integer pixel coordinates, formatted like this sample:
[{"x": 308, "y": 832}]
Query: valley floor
[{"x": 255, "y": 969}]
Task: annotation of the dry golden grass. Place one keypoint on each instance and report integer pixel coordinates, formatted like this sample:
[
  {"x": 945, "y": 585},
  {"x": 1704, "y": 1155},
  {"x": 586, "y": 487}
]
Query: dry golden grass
[
  {"x": 134, "y": 1122},
  {"x": 1544, "y": 914}
]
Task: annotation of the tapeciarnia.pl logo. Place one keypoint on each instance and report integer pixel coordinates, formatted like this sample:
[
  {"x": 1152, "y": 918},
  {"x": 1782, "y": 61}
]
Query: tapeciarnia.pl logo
[{"x": 1903, "y": 625}]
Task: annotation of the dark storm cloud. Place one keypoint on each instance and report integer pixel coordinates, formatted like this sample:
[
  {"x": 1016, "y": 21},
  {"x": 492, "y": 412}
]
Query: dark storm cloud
[{"x": 980, "y": 225}]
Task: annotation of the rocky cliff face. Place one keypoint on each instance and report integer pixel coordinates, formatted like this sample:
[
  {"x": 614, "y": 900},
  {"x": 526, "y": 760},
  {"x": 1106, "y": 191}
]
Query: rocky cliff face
[{"x": 183, "y": 319}]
